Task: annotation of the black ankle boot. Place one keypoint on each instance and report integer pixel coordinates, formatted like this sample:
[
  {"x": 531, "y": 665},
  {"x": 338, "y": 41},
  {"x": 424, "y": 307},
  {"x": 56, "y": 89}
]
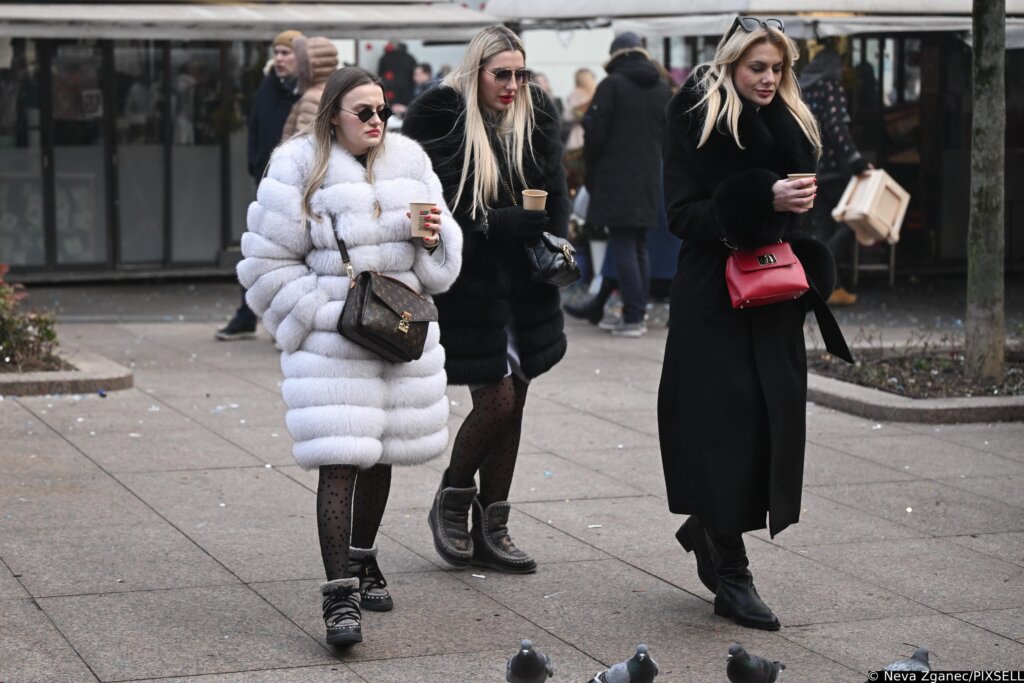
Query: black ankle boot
[
  {"x": 492, "y": 546},
  {"x": 373, "y": 592},
  {"x": 736, "y": 597},
  {"x": 691, "y": 537},
  {"x": 592, "y": 311},
  {"x": 449, "y": 522},
  {"x": 341, "y": 611}
]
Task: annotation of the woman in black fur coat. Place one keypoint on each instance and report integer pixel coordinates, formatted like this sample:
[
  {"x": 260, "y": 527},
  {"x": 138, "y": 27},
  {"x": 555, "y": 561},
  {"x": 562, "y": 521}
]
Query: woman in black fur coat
[
  {"x": 731, "y": 404},
  {"x": 490, "y": 135}
]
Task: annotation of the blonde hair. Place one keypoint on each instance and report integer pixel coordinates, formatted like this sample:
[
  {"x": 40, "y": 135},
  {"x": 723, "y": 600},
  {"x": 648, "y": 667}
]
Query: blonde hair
[
  {"x": 514, "y": 127},
  {"x": 321, "y": 130},
  {"x": 719, "y": 76},
  {"x": 585, "y": 80}
]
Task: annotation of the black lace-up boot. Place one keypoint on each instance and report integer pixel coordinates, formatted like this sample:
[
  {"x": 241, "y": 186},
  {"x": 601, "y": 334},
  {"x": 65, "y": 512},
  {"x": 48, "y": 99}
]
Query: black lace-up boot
[
  {"x": 691, "y": 537},
  {"x": 374, "y": 596},
  {"x": 492, "y": 546},
  {"x": 449, "y": 522},
  {"x": 736, "y": 597},
  {"x": 341, "y": 611}
]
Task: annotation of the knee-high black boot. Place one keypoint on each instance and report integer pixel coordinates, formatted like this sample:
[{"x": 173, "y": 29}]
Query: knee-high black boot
[{"x": 735, "y": 596}]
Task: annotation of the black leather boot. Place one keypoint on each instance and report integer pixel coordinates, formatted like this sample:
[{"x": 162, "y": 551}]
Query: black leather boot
[
  {"x": 449, "y": 522},
  {"x": 341, "y": 611},
  {"x": 736, "y": 597},
  {"x": 373, "y": 592},
  {"x": 592, "y": 311},
  {"x": 691, "y": 537},
  {"x": 492, "y": 546}
]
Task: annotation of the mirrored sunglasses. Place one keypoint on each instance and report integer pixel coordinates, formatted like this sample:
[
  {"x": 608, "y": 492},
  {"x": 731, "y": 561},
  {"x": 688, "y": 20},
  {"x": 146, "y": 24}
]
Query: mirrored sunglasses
[
  {"x": 366, "y": 113},
  {"x": 751, "y": 24},
  {"x": 505, "y": 75}
]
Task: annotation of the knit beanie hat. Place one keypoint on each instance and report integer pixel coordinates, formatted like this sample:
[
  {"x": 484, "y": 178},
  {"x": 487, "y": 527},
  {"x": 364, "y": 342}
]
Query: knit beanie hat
[
  {"x": 624, "y": 41},
  {"x": 285, "y": 38}
]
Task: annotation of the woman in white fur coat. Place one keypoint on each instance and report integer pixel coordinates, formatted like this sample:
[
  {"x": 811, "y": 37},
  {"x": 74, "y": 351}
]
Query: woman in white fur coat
[{"x": 351, "y": 413}]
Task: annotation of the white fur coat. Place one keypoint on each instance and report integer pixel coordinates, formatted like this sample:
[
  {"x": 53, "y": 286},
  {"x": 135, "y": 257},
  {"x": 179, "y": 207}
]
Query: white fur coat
[{"x": 346, "y": 405}]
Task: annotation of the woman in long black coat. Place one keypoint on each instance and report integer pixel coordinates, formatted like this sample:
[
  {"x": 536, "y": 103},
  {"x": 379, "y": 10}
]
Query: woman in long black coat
[
  {"x": 490, "y": 135},
  {"x": 731, "y": 403}
]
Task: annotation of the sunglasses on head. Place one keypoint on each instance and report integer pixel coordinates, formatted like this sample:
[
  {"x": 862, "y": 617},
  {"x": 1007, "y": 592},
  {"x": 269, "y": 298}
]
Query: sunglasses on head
[
  {"x": 505, "y": 75},
  {"x": 751, "y": 24},
  {"x": 366, "y": 113}
]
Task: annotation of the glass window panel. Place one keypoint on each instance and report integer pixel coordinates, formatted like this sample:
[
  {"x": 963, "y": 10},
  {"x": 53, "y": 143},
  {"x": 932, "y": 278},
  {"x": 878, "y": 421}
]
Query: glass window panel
[
  {"x": 140, "y": 151},
  {"x": 889, "y": 97},
  {"x": 246, "y": 68},
  {"x": 22, "y": 237},
  {"x": 80, "y": 187},
  {"x": 911, "y": 70},
  {"x": 195, "y": 154}
]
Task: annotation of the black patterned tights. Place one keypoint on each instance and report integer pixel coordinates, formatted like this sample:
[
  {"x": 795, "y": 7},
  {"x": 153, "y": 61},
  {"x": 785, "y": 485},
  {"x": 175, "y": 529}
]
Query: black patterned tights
[
  {"x": 341, "y": 522},
  {"x": 488, "y": 440}
]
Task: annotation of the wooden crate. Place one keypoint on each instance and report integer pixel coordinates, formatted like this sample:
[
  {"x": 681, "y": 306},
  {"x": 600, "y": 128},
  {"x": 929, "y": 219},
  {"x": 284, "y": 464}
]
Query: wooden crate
[{"x": 874, "y": 206}]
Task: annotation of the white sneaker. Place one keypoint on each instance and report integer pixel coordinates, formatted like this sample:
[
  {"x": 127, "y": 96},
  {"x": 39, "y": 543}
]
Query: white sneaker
[
  {"x": 610, "y": 321},
  {"x": 630, "y": 330}
]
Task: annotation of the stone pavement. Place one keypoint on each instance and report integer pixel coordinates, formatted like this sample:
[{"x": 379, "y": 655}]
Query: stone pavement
[{"x": 164, "y": 532}]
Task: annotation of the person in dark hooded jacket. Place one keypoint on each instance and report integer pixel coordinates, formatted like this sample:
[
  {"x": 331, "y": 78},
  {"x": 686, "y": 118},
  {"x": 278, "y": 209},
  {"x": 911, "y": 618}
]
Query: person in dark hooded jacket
[
  {"x": 820, "y": 83},
  {"x": 622, "y": 152}
]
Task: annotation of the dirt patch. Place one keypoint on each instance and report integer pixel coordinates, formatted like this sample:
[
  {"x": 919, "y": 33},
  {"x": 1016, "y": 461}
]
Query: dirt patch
[
  {"x": 52, "y": 364},
  {"x": 928, "y": 373}
]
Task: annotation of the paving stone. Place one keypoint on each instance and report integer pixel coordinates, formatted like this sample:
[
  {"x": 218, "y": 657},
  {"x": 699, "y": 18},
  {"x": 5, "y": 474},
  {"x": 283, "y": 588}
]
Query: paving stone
[
  {"x": 825, "y": 423},
  {"x": 220, "y": 410},
  {"x": 542, "y": 476},
  {"x": 14, "y": 417},
  {"x": 1005, "y": 488},
  {"x": 258, "y": 523},
  {"x": 934, "y": 508},
  {"x": 417, "y": 626},
  {"x": 149, "y": 634},
  {"x": 9, "y": 586},
  {"x": 599, "y": 395},
  {"x": 129, "y": 411},
  {"x": 636, "y": 468},
  {"x": 824, "y": 522},
  {"x": 552, "y": 433},
  {"x": 1002, "y": 439},
  {"x": 74, "y": 501},
  {"x": 569, "y": 664},
  {"x": 930, "y": 571},
  {"x": 823, "y": 465},
  {"x": 42, "y": 455},
  {"x": 1005, "y": 622},
  {"x": 268, "y": 440},
  {"x": 164, "y": 383},
  {"x": 1005, "y": 546},
  {"x": 323, "y": 673},
  {"x": 108, "y": 559},
  {"x": 162, "y": 451},
  {"x": 871, "y": 644},
  {"x": 32, "y": 650},
  {"x": 925, "y": 456}
]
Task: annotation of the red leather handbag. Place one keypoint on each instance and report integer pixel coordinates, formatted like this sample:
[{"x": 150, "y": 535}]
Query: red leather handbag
[{"x": 765, "y": 275}]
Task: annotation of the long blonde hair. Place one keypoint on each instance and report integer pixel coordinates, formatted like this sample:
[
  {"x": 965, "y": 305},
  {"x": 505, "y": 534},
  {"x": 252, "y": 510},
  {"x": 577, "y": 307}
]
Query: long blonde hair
[
  {"x": 719, "y": 74},
  {"x": 585, "y": 80},
  {"x": 515, "y": 125},
  {"x": 321, "y": 130}
]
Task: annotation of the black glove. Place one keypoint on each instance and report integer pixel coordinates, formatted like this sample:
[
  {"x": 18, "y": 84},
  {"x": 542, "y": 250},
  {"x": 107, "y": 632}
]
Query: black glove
[{"x": 515, "y": 222}]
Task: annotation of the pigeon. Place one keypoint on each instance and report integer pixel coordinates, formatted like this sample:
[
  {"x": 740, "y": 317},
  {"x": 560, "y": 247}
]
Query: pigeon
[
  {"x": 639, "y": 668},
  {"x": 917, "y": 662},
  {"x": 741, "y": 667},
  {"x": 528, "y": 665}
]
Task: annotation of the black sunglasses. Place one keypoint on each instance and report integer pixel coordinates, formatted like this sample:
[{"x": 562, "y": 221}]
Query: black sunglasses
[
  {"x": 751, "y": 24},
  {"x": 366, "y": 113},
  {"x": 505, "y": 75}
]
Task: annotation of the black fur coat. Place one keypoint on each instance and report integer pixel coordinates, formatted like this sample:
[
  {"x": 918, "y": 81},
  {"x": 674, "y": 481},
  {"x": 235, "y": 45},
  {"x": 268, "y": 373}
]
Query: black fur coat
[
  {"x": 731, "y": 404},
  {"x": 494, "y": 289}
]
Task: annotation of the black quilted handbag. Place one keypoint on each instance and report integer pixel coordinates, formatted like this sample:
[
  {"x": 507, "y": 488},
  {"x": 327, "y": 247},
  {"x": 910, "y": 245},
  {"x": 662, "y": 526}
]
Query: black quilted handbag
[
  {"x": 383, "y": 314},
  {"x": 552, "y": 260}
]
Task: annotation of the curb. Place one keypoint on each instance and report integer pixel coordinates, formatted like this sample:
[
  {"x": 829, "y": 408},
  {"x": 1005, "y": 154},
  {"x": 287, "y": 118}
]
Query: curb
[
  {"x": 93, "y": 373},
  {"x": 880, "y": 405}
]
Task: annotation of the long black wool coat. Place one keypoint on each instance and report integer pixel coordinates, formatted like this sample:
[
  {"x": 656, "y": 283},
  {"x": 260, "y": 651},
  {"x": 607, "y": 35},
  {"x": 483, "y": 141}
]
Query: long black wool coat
[
  {"x": 494, "y": 286},
  {"x": 731, "y": 404}
]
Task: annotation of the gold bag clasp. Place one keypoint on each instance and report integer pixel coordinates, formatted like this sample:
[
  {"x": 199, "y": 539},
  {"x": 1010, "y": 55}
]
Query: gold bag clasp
[
  {"x": 767, "y": 259},
  {"x": 403, "y": 324}
]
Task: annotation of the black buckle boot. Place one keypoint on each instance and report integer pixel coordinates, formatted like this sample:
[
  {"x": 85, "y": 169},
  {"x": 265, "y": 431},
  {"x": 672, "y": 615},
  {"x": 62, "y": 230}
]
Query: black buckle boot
[
  {"x": 341, "y": 611},
  {"x": 492, "y": 546},
  {"x": 449, "y": 523},
  {"x": 736, "y": 597},
  {"x": 373, "y": 592},
  {"x": 691, "y": 537}
]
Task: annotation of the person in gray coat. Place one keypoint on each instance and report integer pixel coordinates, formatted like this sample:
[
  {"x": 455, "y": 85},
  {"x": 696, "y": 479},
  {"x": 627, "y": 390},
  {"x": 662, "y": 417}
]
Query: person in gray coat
[{"x": 622, "y": 150}]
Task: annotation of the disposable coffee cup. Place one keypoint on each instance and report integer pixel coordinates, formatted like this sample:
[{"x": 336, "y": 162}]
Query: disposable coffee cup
[
  {"x": 418, "y": 212},
  {"x": 534, "y": 200},
  {"x": 792, "y": 176}
]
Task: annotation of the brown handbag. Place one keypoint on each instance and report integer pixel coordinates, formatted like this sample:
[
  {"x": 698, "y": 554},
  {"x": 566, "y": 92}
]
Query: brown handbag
[{"x": 383, "y": 314}]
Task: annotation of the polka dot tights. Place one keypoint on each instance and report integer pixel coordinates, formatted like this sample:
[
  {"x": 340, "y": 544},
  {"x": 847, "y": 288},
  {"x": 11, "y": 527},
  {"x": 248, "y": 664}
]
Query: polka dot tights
[
  {"x": 349, "y": 507},
  {"x": 488, "y": 440}
]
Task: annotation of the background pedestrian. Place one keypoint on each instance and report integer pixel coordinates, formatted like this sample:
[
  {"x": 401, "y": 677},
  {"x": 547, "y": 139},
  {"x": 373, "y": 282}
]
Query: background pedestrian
[{"x": 316, "y": 59}]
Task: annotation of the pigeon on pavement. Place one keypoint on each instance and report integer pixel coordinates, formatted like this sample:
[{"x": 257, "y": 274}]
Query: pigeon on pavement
[
  {"x": 917, "y": 662},
  {"x": 639, "y": 668},
  {"x": 741, "y": 667},
  {"x": 528, "y": 665}
]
